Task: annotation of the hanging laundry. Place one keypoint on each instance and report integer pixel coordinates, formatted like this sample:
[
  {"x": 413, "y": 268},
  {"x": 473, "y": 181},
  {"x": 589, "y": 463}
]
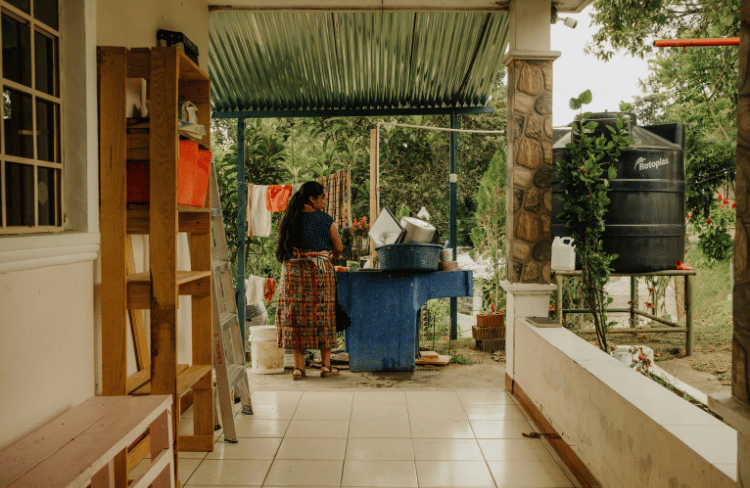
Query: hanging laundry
[
  {"x": 258, "y": 215},
  {"x": 254, "y": 290},
  {"x": 269, "y": 288},
  {"x": 339, "y": 191},
  {"x": 277, "y": 197}
]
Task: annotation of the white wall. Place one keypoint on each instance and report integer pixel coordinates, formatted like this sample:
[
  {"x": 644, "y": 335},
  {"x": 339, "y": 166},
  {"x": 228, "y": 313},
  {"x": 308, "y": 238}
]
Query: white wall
[
  {"x": 134, "y": 23},
  {"x": 628, "y": 430},
  {"x": 47, "y": 346}
]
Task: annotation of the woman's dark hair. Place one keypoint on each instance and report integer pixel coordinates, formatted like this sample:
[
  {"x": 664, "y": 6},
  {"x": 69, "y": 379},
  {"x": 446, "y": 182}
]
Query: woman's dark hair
[{"x": 290, "y": 226}]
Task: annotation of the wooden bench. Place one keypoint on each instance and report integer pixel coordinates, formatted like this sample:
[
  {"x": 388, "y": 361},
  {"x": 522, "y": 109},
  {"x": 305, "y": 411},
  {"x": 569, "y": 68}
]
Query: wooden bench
[{"x": 78, "y": 448}]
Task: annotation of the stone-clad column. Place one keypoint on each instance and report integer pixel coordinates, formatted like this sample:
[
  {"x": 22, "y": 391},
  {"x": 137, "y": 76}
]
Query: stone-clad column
[{"x": 529, "y": 185}]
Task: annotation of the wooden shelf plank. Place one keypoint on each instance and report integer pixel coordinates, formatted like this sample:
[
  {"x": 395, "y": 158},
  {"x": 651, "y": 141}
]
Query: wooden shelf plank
[
  {"x": 143, "y": 377},
  {"x": 187, "y": 377},
  {"x": 137, "y": 147},
  {"x": 195, "y": 283},
  {"x": 195, "y": 220}
]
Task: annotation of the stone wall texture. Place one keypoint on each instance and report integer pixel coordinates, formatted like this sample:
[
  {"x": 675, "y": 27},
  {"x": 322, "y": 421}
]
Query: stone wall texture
[{"x": 529, "y": 171}]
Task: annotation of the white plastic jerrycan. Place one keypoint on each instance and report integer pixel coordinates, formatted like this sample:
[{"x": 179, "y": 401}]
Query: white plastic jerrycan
[{"x": 563, "y": 254}]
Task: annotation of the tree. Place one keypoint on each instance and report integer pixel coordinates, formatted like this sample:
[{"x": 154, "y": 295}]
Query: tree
[{"x": 695, "y": 86}]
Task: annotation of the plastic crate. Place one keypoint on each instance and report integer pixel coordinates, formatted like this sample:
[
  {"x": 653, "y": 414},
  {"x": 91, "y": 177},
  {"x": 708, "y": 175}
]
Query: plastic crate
[{"x": 419, "y": 257}]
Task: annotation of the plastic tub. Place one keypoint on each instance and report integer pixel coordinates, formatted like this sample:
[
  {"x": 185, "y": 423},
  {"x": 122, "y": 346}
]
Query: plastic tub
[
  {"x": 186, "y": 170},
  {"x": 268, "y": 357},
  {"x": 200, "y": 188}
]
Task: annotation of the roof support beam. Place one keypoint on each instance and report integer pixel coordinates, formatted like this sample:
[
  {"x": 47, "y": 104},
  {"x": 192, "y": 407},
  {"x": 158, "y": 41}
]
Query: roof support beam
[
  {"x": 229, "y": 114},
  {"x": 363, "y": 5}
]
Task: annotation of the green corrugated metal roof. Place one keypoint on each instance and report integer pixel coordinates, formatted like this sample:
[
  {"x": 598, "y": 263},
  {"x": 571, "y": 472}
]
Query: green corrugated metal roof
[{"x": 347, "y": 61}]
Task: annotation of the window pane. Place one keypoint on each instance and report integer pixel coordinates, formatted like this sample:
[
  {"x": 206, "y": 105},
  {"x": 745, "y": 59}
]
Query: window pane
[
  {"x": 46, "y": 121},
  {"x": 16, "y": 51},
  {"x": 19, "y": 194},
  {"x": 21, "y": 5},
  {"x": 46, "y": 11},
  {"x": 47, "y": 191},
  {"x": 46, "y": 64},
  {"x": 19, "y": 140}
]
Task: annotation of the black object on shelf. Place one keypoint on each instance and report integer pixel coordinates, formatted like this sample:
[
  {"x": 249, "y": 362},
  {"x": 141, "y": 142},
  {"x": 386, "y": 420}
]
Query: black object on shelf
[{"x": 171, "y": 38}]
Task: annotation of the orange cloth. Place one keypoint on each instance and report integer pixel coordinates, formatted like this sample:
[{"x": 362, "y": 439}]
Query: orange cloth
[
  {"x": 277, "y": 197},
  {"x": 683, "y": 266},
  {"x": 269, "y": 288}
]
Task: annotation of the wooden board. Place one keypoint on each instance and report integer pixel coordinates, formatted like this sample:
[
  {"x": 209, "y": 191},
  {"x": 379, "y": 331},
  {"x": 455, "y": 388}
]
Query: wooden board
[
  {"x": 440, "y": 361},
  {"x": 428, "y": 354}
]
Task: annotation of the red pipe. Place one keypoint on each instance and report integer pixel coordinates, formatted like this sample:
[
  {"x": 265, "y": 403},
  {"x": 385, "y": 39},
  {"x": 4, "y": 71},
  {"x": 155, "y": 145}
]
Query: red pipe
[{"x": 730, "y": 41}]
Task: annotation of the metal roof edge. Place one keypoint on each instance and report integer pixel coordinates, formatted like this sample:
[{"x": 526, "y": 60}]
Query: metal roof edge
[{"x": 252, "y": 114}]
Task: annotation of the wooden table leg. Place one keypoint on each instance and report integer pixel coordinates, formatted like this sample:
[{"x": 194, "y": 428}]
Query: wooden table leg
[{"x": 689, "y": 313}]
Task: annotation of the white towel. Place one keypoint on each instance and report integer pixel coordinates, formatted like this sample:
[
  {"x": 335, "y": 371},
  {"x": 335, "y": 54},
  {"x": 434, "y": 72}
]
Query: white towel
[
  {"x": 258, "y": 216},
  {"x": 254, "y": 290}
]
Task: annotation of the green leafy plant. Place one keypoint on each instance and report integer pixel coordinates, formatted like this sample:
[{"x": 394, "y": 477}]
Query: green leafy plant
[
  {"x": 584, "y": 176},
  {"x": 713, "y": 232}
]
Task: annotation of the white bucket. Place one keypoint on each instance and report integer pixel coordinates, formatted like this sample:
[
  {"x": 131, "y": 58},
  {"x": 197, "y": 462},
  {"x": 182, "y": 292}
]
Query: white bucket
[
  {"x": 268, "y": 358},
  {"x": 563, "y": 254}
]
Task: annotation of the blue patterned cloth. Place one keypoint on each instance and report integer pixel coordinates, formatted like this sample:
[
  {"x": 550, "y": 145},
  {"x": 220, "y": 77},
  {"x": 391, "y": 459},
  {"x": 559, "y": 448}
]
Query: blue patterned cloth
[{"x": 316, "y": 231}]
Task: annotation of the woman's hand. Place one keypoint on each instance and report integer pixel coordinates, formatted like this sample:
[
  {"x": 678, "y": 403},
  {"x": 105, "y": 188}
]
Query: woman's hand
[{"x": 338, "y": 246}]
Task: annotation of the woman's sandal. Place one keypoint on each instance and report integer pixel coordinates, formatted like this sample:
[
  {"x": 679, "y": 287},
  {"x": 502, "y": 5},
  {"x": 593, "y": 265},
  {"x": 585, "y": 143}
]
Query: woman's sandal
[
  {"x": 302, "y": 374},
  {"x": 331, "y": 371}
]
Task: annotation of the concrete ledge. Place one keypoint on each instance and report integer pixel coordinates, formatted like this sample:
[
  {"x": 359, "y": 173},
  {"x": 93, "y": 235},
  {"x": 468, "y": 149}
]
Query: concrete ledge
[{"x": 625, "y": 429}]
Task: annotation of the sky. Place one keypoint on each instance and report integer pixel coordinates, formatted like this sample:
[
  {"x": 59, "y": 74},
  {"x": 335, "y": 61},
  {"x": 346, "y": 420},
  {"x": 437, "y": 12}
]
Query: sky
[{"x": 574, "y": 72}]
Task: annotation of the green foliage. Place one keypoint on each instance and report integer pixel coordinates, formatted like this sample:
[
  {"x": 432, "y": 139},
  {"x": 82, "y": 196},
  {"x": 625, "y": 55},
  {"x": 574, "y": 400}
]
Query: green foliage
[
  {"x": 489, "y": 235},
  {"x": 714, "y": 240},
  {"x": 584, "y": 176}
]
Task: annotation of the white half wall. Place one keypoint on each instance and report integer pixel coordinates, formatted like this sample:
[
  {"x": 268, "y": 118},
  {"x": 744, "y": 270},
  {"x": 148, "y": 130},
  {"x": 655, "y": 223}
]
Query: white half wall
[
  {"x": 628, "y": 430},
  {"x": 47, "y": 346}
]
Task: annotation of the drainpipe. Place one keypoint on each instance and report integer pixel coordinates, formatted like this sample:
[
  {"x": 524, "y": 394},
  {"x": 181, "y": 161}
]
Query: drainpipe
[
  {"x": 453, "y": 197},
  {"x": 241, "y": 227}
]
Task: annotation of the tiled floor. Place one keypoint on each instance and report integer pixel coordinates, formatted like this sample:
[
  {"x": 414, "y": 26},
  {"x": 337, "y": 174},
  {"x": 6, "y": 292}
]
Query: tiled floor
[{"x": 366, "y": 438}]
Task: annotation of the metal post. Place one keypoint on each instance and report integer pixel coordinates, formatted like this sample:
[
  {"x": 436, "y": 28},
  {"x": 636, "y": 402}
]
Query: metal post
[
  {"x": 241, "y": 226},
  {"x": 689, "y": 313},
  {"x": 453, "y": 197},
  {"x": 633, "y": 300},
  {"x": 559, "y": 297}
]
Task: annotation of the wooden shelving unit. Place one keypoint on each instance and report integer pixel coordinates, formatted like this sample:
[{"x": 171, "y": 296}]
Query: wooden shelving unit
[{"x": 169, "y": 74}]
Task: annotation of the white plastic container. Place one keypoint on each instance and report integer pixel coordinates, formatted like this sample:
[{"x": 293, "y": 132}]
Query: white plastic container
[
  {"x": 563, "y": 254},
  {"x": 268, "y": 358}
]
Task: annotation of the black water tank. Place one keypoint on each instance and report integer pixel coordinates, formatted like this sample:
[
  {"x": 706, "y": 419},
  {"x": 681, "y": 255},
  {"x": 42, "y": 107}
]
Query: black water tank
[{"x": 645, "y": 221}]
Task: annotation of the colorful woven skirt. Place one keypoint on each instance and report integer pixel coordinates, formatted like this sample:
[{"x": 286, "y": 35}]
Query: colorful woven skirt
[{"x": 306, "y": 311}]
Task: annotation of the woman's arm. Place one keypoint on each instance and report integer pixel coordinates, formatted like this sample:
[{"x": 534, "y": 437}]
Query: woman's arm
[{"x": 338, "y": 247}]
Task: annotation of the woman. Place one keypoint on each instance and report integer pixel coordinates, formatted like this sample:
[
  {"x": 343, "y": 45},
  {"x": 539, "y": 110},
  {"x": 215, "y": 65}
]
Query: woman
[{"x": 306, "y": 312}]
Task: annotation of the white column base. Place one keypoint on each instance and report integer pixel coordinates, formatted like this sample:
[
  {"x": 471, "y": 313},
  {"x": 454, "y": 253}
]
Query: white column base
[{"x": 523, "y": 300}]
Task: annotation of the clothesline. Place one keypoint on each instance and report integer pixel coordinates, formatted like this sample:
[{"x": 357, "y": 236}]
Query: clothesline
[{"x": 445, "y": 129}]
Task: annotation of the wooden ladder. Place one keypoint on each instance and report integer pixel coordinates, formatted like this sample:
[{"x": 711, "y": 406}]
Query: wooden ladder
[{"x": 229, "y": 354}]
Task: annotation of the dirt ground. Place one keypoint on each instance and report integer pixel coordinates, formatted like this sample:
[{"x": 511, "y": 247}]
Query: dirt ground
[{"x": 485, "y": 372}]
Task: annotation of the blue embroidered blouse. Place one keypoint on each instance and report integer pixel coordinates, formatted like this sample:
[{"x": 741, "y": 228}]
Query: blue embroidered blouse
[{"x": 316, "y": 231}]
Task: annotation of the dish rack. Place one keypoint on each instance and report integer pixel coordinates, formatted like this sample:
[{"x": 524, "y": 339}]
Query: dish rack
[{"x": 409, "y": 256}]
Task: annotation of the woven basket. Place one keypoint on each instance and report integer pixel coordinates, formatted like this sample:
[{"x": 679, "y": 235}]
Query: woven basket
[
  {"x": 487, "y": 333},
  {"x": 490, "y": 319},
  {"x": 420, "y": 257}
]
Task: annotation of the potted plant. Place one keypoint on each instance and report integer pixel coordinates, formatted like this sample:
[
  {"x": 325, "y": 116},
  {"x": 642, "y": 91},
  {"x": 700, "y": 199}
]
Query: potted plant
[{"x": 358, "y": 231}]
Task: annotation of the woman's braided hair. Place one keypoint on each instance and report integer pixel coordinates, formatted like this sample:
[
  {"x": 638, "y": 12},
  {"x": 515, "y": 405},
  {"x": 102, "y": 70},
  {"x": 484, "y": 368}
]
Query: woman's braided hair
[{"x": 290, "y": 226}]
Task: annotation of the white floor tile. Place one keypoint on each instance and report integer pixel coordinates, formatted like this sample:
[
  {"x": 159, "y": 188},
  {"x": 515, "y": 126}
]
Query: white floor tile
[
  {"x": 446, "y": 450},
  {"x": 260, "y": 428},
  {"x": 514, "y": 450},
  {"x": 528, "y": 474},
  {"x": 436, "y": 412},
  {"x": 323, "y": 411},
  {"x": 448, "y": 429},
  {"x": 280, "y": 397},
  {"x": 285, "y": 472},
  {"x": 214, "y": 472},
  {"x": 379, "y": 397},
  {"x": 379, "y": 473},
  {"x": 318, "y": 428},
  {"x": 500, "y": 429},
  {"x": 435, "y": 398},
  {"x": 379, "y": 411},
  {"x": 272, "y": 411},
  {"x": 397, "y": 427},
  {"x": 493, "y": 412},
  {"x": 434, "y": 474},
  {"x": 369, "y": 449},
  {"x": 260, "y": 448},
  {"x": 484, "y": 397},
  {"x": 311, "y": 449}
]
